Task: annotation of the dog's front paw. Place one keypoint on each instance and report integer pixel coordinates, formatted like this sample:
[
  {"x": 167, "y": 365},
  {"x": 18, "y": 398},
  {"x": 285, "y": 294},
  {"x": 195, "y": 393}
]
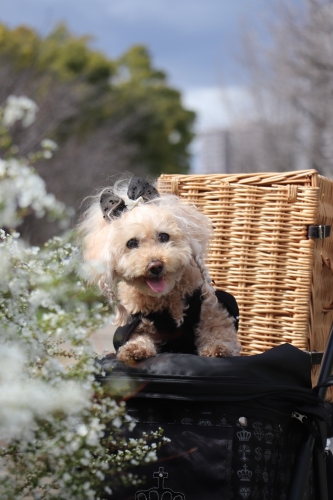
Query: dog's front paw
[
  {"x": 136, "y": 350},
  {"x": 216, "y": 351}
]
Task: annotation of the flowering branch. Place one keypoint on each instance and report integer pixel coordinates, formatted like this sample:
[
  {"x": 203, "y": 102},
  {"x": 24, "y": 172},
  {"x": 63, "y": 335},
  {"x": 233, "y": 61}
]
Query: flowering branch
[{"x": 60, "y": 433}]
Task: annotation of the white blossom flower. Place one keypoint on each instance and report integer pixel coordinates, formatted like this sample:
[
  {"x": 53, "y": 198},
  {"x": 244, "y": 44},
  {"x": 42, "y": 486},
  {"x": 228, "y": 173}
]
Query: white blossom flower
[
  {"x": 100, "y": 475},
  {"x": 22, "y": 400},
  {"x": 22, "y": 188},
  {"x": 117, "y": 422},
  {"x": 3, "y": 167},
  {"x": 19, "y": 108},
  {"x": 47, "y": 154},
  {"x": 49, "y": 144},
  {"x": 151, "y": 456},
  {"x": 82, "y": 430}
]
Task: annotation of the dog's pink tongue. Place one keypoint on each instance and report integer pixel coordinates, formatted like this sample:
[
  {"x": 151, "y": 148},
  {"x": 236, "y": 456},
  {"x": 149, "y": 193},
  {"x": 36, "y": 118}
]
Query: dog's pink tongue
[{"x": 156, "y": 284}]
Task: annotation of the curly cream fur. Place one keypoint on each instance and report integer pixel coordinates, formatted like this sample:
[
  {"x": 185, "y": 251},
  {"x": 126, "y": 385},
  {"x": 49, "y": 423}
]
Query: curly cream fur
[{"x": 122, "y": 273}]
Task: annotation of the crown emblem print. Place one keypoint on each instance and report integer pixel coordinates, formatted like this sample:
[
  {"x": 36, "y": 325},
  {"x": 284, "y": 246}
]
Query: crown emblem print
[
  {"x": 244, "y": 474},
  {"x": 160, "y": 491},
  {"x": 244, "y": 435}
]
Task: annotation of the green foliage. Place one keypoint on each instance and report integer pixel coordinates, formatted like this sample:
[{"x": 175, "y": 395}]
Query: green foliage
[
  {"x": 105, "y": 92},
  {"x": 60, "y": 53},
  {"x": 140, "y": 86}
]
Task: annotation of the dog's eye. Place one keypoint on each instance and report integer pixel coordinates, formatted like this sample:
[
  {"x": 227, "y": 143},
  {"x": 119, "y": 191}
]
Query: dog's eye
[
  {"x": 163, "y": 237},
  {"x": 132, "y": 243}
]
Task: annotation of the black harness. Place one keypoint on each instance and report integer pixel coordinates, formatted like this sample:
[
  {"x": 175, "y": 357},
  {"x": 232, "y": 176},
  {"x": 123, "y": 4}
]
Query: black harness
[{"x": 175, "y": 338}]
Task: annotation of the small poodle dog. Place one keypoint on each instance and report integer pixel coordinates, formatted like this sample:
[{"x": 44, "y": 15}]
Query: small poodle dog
[{"x": 146, "y": 252}]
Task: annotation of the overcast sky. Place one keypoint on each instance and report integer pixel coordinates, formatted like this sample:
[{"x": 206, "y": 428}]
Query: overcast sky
[{"x": 196, "y": 42}]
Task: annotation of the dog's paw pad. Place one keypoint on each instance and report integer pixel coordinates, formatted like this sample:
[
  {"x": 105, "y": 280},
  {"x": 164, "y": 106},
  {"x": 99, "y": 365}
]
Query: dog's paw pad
[{"x": 217, "y": 351}]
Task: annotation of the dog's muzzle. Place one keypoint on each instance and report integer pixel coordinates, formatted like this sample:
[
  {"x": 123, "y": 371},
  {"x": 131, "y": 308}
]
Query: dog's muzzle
[
  {"x": 155, "y": 267},
  {"x": 156, "y": 281}
]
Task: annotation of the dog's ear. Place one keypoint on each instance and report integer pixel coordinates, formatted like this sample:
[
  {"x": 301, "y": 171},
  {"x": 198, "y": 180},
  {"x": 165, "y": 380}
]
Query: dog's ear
[{"x": 112, "y": 205}]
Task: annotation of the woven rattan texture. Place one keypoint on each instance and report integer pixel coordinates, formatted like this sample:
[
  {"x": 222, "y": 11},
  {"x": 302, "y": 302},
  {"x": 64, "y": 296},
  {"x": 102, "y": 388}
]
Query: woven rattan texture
[{"x": 261, "y": 253}]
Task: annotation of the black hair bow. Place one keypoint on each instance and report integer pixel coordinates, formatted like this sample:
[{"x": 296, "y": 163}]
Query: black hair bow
[{"x": 112, "y": 205}]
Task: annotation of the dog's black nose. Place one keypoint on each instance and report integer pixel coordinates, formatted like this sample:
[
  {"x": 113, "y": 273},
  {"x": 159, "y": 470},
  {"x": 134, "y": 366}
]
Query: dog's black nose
[{"x": 155, "y": 267}]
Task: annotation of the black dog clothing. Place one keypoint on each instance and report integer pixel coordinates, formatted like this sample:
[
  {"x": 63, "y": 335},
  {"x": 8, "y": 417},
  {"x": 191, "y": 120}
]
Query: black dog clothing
[{"x": 175, "y": 338}]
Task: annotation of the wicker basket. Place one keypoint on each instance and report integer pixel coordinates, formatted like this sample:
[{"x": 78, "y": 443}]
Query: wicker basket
[{"x": 281, "y": 278}]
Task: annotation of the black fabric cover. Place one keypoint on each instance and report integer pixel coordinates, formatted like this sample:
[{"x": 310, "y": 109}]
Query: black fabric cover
[
  {"x": 279, "y": 376},
  {"x": 201, "y": 404},
  {"x": 173, "y": 338},
  {"x": 211, "y": 455}
]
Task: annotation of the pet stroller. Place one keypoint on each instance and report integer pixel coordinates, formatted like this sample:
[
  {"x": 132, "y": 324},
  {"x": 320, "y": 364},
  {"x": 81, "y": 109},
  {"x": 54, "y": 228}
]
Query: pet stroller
[
  {"x": 249, "y": 427},
  {"x": 241, "y": 428}
]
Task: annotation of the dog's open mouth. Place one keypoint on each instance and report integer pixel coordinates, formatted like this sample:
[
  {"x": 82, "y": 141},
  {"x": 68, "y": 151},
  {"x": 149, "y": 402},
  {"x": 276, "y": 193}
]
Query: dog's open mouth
[{"x": 156, "y": 284}]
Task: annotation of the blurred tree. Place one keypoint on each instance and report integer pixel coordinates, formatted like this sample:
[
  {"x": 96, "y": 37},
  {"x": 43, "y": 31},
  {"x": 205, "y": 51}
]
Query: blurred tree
[
  {"x": 142, "y": 87},
  {"x": 291, "y": 86},
  {"x": 107, "y": 116}
]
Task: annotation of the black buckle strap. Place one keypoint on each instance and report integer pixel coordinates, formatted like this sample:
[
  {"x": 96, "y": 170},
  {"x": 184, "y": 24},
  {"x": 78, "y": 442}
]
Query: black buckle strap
[
  {"x": 319, "y": 232},
  {"x": 316, "y": 357}
]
